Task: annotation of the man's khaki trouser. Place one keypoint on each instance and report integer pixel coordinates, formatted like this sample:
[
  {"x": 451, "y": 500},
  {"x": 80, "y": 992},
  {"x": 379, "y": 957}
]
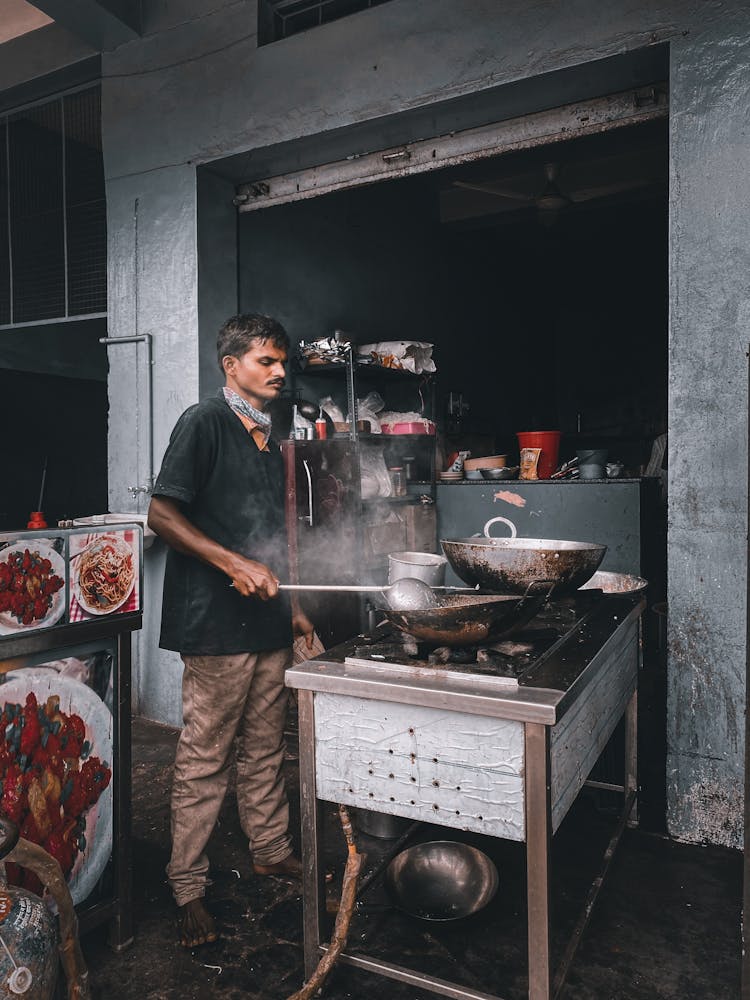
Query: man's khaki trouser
[{"x": 224, "y": 697}]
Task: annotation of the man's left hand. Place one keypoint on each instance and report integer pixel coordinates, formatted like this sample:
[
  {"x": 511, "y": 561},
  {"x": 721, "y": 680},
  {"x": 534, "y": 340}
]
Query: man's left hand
[{"x": 301, "y": 625}]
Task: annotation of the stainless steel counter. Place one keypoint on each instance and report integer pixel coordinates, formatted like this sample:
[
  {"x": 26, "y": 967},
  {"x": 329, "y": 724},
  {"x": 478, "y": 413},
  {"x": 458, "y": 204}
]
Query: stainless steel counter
[{"x": 500, "y": 753}]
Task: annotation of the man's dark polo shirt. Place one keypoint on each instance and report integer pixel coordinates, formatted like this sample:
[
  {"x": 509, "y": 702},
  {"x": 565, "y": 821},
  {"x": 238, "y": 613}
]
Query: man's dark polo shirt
[{"x": 234, "y": 493}]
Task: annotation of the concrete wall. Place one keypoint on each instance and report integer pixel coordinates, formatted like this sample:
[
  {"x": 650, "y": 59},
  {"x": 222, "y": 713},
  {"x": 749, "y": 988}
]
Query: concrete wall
[{"x": 196, "y": 89}]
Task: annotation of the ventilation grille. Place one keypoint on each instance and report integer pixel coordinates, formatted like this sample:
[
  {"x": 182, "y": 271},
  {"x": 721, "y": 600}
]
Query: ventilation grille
[
  {"x": 279, "y": 19},
  {"x": 53, "y": 238}
]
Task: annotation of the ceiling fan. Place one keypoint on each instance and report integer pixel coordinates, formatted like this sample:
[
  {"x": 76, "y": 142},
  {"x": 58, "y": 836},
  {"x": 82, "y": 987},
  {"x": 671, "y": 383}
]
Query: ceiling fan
[{"x": 549, "y": 199}]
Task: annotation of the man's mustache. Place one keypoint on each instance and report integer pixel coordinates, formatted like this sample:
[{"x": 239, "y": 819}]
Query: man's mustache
[{"x": 281, "y": 382}]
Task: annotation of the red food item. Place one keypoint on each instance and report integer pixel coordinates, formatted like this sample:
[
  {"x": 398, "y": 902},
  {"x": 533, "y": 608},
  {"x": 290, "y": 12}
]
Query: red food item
[
  {"x": 27, "y": 586},
  {"x": 14, "y": 801},
  {"x": 32, "y": 730},
  {"x": 47, "y": 786}
]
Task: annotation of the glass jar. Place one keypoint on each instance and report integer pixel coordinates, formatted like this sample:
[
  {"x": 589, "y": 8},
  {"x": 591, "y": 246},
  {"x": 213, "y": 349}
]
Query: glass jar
[{"x": 398, "y": 483}]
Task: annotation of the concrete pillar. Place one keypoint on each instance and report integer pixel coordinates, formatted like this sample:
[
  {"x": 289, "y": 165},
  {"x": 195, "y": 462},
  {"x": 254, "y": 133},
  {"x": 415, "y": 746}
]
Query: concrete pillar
[
  {"x": 709, "y": 333},
  {"x": 153, "y": 289}
]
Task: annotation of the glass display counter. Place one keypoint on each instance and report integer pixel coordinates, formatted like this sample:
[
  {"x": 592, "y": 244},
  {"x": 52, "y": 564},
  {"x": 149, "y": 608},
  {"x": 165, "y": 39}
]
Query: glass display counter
[{"x": 69, "y": 601}]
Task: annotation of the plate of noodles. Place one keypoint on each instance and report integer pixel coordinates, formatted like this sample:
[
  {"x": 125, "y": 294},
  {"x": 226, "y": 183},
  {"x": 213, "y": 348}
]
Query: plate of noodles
[{"x": 104, "y": 576}]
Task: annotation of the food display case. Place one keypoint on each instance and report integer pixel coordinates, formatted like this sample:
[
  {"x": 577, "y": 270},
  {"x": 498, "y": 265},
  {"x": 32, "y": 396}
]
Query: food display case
[{"x": 69, "y": 600}]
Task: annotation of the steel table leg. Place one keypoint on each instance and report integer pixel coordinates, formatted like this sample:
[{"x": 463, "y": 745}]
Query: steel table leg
[
  {"x": 312, "y": 849},
  {"x": 631, "y": 755},
  {"x": 538, "y": 844},
  {"x": 120, "y": 934}
]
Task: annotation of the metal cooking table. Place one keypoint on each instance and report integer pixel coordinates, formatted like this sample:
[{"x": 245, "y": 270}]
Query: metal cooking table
[{"x": 500, "y": 747}]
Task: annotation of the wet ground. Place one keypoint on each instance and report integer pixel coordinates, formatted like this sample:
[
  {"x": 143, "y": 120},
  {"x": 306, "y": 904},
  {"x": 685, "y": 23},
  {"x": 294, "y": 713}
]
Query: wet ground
[{"x": 666, "y": 925}]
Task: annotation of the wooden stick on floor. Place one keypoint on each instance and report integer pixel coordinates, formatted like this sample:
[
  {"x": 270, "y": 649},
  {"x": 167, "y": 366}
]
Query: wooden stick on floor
[{"x": 354, "y": 863}]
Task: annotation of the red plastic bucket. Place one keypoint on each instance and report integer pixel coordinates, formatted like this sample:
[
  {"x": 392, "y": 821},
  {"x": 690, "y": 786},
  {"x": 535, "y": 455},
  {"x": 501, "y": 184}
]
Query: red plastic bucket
[{"x": 549, "y": 442}]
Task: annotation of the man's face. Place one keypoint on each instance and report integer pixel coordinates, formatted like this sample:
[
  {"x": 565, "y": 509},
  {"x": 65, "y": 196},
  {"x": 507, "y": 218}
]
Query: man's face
[{"x": 258, "y": 375}]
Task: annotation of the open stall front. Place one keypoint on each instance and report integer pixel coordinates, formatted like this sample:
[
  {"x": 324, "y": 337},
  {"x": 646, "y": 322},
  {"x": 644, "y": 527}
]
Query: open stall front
[{"x": 541, "y": 316}]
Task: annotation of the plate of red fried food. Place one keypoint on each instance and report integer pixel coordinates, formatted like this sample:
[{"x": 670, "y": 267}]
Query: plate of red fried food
[
  {"x": 32, "y": 586},
  {"x": 56, "y": 773}
]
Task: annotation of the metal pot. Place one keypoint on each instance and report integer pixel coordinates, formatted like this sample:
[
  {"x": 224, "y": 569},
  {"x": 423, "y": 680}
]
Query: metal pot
[
  {"x": 417, "y": 565},
  {"x": 461, "y": 620},
  {"x": 510, "y": 565},
  {"x": 381, "y": 825}
]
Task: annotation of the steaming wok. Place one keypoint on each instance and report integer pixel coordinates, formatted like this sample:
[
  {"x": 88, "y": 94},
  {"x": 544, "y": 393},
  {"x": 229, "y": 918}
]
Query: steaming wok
[
  {"x": 463, "y": 619},
  {"x": 510, "y": 565}
]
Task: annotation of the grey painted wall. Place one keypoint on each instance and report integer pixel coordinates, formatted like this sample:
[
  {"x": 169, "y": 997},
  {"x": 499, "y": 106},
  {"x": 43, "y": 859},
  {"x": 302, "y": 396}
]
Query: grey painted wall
[{"x": 196, "y": 89}]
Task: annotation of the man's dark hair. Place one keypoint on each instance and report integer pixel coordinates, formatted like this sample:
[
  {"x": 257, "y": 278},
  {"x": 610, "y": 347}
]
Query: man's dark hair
[{"x": 238, "y": 333}]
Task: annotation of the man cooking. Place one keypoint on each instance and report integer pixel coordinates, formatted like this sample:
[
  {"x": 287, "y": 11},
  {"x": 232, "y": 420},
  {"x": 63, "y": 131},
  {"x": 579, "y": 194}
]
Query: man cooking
[{"x": 218, "y": 502}]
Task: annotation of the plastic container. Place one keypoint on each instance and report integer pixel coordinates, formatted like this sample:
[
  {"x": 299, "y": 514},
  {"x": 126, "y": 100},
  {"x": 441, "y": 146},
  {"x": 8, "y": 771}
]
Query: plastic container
[
  {"x": 549, "y": 442},
  {"x": 36, "y": 520},
  {"x": 409, "y": 427}
]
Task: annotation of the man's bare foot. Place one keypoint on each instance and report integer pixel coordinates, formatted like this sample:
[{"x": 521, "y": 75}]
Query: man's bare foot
[
  {"x": 195, "y": 924},
  {"x": 291, "y": 866}
]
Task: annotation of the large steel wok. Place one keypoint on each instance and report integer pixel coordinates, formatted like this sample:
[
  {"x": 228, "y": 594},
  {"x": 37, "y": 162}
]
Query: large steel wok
[
  {"x": 463, "y": 619},
  {"x": 510, "y": 565}
]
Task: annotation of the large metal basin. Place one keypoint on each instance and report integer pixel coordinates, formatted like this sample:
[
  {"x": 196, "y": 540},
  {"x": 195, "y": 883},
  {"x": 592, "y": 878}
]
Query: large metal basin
[
  {"x": 441, "y": 880},
  {"x": 511, "y": 565}
]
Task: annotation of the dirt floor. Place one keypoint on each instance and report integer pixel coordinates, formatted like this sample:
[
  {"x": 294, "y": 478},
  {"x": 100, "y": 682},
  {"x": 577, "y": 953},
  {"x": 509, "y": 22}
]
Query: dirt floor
[{"x": 666, "y": 925}]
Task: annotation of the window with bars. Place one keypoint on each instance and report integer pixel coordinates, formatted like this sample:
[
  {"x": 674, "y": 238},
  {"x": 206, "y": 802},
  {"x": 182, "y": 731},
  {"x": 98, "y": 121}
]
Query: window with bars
[
  {"x": 279, "y": 19},
  {"x": 53, "y": 237}
]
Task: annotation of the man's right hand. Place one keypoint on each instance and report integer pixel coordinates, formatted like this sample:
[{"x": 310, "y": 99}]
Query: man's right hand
[{"x": 251, "y": 578}]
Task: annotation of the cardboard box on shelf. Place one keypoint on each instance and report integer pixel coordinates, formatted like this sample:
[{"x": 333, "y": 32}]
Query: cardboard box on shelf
[
  {"x": 421, "y": 528},
  {"x": 388, "y": 536}
]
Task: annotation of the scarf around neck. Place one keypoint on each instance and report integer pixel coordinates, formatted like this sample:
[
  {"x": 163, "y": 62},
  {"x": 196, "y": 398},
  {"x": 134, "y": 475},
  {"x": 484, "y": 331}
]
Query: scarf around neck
[{"x": 244, "y": 409}]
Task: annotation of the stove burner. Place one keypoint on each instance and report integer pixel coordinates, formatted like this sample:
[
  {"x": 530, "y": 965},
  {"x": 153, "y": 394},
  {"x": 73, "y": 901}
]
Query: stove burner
[{"x": 504, "y": 657}]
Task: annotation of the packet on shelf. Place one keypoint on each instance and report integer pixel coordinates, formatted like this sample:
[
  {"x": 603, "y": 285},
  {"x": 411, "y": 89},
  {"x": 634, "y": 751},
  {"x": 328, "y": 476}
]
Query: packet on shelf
[
  {"x": 457, "y": 465},
  {"x": 529, "y": 463}
]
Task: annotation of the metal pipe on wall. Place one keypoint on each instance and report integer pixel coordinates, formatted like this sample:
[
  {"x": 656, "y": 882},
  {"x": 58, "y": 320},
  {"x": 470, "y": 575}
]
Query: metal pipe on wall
[
  {"x": 746, "y": 872},
  {"x": 142, "y": 338}
]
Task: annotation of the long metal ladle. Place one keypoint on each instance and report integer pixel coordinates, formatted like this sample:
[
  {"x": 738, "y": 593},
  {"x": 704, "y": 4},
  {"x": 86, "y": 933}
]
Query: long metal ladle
[{"x": 406, "y": 594}]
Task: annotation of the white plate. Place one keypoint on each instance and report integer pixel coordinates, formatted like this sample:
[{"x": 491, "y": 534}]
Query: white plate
[
  {"x": 76, "y": 698},
  {"x": 109, "y": 539},
  {"x": 8, "y": 621}
]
